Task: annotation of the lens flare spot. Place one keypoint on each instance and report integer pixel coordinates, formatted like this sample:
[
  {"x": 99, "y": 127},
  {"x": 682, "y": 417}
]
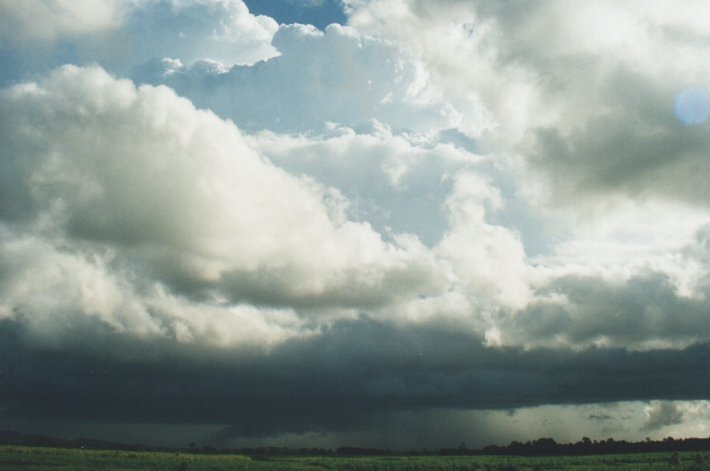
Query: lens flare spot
[{"x": 692, "y": 106}]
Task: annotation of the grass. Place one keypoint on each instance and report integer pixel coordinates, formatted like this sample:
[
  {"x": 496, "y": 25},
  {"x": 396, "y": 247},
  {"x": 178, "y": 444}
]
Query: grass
[{"x": 24, "y": 458}]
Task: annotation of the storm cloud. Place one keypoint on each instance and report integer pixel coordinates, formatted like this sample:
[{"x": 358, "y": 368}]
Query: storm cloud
[{"x": 469, "y": 220}]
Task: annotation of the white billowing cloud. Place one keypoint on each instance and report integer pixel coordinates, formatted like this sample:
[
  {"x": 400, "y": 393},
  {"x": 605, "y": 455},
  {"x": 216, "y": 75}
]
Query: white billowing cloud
[
  {"x": 338, "y": 75},
  {"x": 61, "y": 295},
  {"x": 188, "y": 205},
  {"x": 47, "y": 287},
  {"x": 191, "y": 30},
  {"x": 93, "y": 163},
  {"x": 225, "y": 326},
  {"x": 583, "y": 99},
  {"x": 189, "y": 221},
  {"x": 633, "y": 292},
  {"x": 434, "y": 190},
  {"x": 37, "y": 36},
  {"x": 391, "y": 212},
  {"x": 627, "y": 239},
  {"x": 397, "y": 182},
  {"x": 487, "y": 258},
  {"x": 457, "y": 55},
  {"x": 620, "y": 280},
  {"x": 582, "y": 92},
  {"x": 46, "y": 20}
]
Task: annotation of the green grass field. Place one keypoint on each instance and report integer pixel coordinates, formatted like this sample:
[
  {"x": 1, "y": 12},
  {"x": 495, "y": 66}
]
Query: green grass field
[{"x": 59, "y": 459}]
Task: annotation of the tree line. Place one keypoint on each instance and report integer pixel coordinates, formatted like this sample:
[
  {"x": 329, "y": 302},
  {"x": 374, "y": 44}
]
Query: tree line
[
  {"x": 538, "y": 447},
  {"x": 548, "y": 447}
]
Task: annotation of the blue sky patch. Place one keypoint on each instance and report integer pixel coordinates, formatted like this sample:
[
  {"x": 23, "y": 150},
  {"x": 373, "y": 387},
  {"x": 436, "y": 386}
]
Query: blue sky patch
[{"x": 319, "y": 13}]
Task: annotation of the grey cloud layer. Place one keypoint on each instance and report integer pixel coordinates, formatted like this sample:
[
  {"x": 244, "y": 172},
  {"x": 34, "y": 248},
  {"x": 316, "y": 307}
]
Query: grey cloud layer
[
  {"x": 339, "y": 380},
  {"x": 645, "y": 311}
]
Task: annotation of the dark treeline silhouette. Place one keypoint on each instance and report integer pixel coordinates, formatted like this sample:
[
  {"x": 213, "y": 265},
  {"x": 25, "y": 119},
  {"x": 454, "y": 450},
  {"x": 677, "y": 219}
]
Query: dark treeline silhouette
[
  {"x": 26, "y": 439},
  {"x": 548, "y": 447},
  {"x": 539, "y": 447}
]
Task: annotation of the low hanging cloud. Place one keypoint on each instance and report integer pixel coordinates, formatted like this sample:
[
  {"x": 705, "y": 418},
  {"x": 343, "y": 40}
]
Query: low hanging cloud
[
  {"x": 663, "y": 414},
  {"x": 351, "y": 375}
]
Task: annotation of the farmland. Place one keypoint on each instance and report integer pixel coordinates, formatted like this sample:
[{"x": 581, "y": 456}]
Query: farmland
[{"x": 60, "y": 459}]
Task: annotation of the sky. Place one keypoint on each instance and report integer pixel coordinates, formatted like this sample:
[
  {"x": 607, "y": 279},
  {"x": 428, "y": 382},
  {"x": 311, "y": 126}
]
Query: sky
[{"x": 391, "y": 223}]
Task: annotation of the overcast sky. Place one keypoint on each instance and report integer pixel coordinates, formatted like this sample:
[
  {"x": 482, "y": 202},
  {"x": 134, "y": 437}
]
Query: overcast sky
[{"x": 396, "y": 223}]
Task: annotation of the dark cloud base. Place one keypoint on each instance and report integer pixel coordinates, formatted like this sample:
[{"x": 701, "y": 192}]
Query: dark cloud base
[{"x": 337, "y": 381}]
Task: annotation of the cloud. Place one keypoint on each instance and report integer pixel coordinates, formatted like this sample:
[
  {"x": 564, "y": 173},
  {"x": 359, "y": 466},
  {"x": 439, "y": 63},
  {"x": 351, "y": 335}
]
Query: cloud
[
  {"x": 585, "y": 123},
  {"x": 120, "y": 35},
  {"x": 192, "y": 30},
  {"x": 355, "y": 373},
  {"x": 438, "y": 210},
  {"x": 159, "y": 228},
  {"x": 393, "y": 181},
  {"x": 430, "y": 429},
  {"x": 338, "y": 76},
  {"x": 662, "y": 414},
  {"x": 618, "y": 283},
  {"x": 47, "y": 20},
  {"x": 634, "y": 148},
  {"x": 643, "y": 312},
  {"x": 489, "y": 258},
  {"x": 340, "y": 83},
  {"x": 436, "y": 191},
  {"x": 167, "y": 197},
  {"x": 178, "y": 252},
  {"x": 590, "y": 108}
]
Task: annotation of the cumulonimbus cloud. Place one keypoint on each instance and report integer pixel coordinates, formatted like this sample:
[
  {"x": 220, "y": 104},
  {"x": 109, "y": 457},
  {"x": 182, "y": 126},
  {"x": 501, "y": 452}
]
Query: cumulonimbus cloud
[
  {"x": 96, "y": 167},
  {"x": 365, "y": 221}
]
